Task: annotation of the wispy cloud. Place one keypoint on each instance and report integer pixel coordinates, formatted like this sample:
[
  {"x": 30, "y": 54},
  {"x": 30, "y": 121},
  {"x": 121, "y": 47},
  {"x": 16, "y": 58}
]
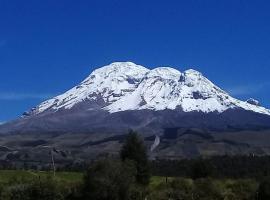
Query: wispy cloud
[
  {"x": 23, "y": 96},
  {"x": 248, "y": 89},
  {"x": 2, "y": 123}
]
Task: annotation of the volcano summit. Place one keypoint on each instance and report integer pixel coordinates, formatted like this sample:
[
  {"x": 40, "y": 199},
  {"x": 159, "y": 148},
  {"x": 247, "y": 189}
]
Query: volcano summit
[
  {"x": 124, "y": 95},
  {"x": 163, "y": 102}
]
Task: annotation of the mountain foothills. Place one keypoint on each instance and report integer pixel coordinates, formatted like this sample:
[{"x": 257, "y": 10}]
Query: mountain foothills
[{"x": 180, "y": 114}]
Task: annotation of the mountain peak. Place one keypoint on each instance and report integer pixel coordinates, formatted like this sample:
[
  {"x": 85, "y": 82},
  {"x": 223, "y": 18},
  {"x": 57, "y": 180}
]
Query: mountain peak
[
  {"x": 164, "y": 72},
  {"x": 192, "y": 71},
  {"x": 122, "y": 86},
  {"x": 124, "y": 68}
]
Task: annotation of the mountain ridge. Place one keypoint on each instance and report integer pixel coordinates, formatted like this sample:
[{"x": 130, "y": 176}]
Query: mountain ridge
[
  {"x": 123, "y": 86},
  {"x": 180, "y": 115}
]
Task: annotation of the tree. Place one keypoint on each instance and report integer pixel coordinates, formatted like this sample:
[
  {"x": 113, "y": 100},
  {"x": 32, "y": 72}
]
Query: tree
[
  {"x": 264, "y": 190},
  {"x": 200, "y": 169},
  {"x": 134, "y": 149},
  {"x": 108, "y": 180}
]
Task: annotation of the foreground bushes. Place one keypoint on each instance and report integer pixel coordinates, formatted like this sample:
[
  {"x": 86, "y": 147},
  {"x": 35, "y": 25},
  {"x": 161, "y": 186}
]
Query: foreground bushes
[
  {"x": 39, "y": 189},
  {"x": 115, "y": 180},
  {"x": 235, "y": 167},
  {"x": 205, "y": 189},
  {"x": 109, "y": 179}
]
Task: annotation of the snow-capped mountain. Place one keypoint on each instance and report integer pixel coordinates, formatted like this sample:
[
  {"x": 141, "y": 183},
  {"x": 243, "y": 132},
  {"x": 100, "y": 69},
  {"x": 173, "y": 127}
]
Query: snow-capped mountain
[
  {"x": 180, "y": 114},
  {"x": 124, "y": 95},
  {"x": 123, "y": 86}
]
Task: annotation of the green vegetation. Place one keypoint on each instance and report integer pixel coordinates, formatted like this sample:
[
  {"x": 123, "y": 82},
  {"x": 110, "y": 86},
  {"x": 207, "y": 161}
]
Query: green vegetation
[
  {"x": 106, "y": 179},
  {"x": 129, "y": 178},
  {"x": 114, "y": 182},
  {"x": 8, "y": 175},
  {"x": 134, "y": 150},
  {"x": 220, "y": 167},
  {"x": 264, "y": 190}
]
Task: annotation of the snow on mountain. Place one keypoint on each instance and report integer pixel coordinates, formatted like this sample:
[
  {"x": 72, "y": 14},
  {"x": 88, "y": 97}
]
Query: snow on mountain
[
  {"x": 110, "y": 82},
  {"x": 253, "y": 102},
  {"x": 125, "y": 86}
]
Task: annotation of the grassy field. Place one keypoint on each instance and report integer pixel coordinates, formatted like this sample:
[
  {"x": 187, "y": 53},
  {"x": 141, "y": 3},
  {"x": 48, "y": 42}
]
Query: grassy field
[
  {"x": 75, "y": 177},
  {"x": 159, "y": 186},
  {"x": 157, "y": 180},
  {"x": 8, "y": 175},
  {"x": 72, "y": 177}
]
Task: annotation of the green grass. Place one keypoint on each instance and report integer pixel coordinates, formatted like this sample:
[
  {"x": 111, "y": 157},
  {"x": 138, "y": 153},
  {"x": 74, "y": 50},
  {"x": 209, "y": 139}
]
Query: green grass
[
  {"x": 9, "y": 175},
  {"x": 156, "y": 183},
  {"x": 157, "y": 180},
  {"x": 72, "y": 177}
]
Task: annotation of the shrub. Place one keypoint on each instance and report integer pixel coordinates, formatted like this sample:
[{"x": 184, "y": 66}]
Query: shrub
[
  {"x": 264, "y": 190},
  {"x": 109, "y": 179}
]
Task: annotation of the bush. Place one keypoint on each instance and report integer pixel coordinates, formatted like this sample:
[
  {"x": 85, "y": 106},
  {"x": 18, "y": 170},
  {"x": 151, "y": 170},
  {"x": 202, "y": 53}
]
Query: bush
[
  {"x": 201, "y": 169},
  {"x": 242, "y": 190},
  {"x": 264, "y": 190},
  {"x": 109, "y": 179},
  {"x": 181, "y": 189},
  {"x": 35, "y": 189},
  {"x": 206, "y": 189}
]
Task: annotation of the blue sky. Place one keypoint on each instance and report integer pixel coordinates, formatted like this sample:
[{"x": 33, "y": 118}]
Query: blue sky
[{"x": 46, "y": 47}]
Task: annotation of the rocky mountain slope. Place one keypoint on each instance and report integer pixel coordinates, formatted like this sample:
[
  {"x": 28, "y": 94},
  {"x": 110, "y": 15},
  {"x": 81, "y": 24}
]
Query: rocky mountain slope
[{"x": 180, "y": 114}]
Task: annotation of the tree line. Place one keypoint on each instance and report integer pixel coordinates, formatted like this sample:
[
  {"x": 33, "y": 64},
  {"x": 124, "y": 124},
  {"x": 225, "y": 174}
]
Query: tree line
[
  {"x": 236, "y": 167},
  {"x": 134, "y": 177}
]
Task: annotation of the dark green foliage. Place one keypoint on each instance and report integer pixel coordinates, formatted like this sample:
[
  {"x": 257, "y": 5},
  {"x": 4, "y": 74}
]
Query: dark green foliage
[
  {"x": 35, "y": 189},
  {"x": 215, "y": 178},
  {"x": 115, "y": 180},
  {"x": 219, "y": 167},
  {"x": 205, "y": 189},
  {"x": 109, "y": 180},
  {"x": 180, "y": 189},
  {"x": 264, "y": 190},
  {"x": 138, "y": 192},
  {"x": 134, "y": 149},
  {"x": 200, "y": 169},
  {"x": 120, "y": 180},
  {"x": 243, "y": 190},
  {"x": 187, "y": 189}
]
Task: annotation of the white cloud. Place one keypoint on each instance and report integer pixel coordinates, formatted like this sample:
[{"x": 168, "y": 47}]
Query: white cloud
[
  {"x": 23, "y": 96},
  {"x": 247, "y": 89},
  {"x": 2, "y": 123}
]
